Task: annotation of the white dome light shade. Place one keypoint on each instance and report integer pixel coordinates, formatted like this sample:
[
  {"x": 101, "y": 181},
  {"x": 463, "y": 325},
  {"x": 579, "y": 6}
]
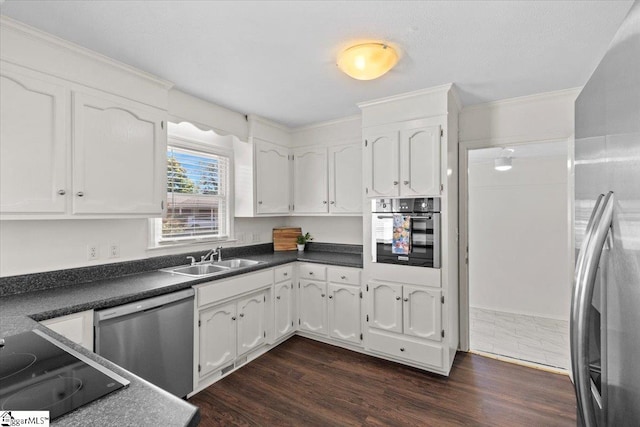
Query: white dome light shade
[
  {"x": 367, "y": 61},
  {"x": 502, "y": 163}
]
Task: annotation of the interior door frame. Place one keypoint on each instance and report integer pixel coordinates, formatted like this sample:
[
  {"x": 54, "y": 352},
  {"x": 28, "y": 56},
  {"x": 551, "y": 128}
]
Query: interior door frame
[{"x": 463, "y": 205}]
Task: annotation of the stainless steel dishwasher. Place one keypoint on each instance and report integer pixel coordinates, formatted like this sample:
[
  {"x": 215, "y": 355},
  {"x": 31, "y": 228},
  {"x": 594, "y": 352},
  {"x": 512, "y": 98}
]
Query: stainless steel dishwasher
[{"x": 152, "y": 338}]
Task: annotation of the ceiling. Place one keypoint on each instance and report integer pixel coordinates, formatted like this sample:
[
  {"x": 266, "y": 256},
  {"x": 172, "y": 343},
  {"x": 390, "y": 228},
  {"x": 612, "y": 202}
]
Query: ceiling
[{"x": 277, "y": 58}]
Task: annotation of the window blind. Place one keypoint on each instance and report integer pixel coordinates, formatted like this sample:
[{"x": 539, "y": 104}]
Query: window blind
[{"x": 197, "y": 191}]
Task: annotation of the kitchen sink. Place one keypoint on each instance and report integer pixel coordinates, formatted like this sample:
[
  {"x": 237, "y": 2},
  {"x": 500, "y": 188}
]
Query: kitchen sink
[
  {"x": 237, "y": 263},
  {"x": 210, "y": 269}
]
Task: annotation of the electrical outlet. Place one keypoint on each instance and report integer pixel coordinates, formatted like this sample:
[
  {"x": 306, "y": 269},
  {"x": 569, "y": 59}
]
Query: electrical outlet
[
  {"x": 114, "y": 250},
  {"x": 93, "y": 252}
]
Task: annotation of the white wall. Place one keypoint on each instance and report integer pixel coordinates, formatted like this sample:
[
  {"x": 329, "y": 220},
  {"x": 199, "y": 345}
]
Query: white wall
[{"x": 518, "y": 257}]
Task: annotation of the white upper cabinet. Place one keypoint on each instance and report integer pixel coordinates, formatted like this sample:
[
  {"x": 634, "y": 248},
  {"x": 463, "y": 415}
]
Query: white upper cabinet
[
  {"x": 345, "y": 179},
  {"x": 310, "y": 180},
  {"x": 272, "y": 178},
  {"x": 382, "y": 163},
  {"x": 77, "y": 143},
  {"x": 420, "y": 161},
  {"x": 118, "y": 157},
  {"x": 403, "y": 160},
  {"x": 33, "y": 143}
]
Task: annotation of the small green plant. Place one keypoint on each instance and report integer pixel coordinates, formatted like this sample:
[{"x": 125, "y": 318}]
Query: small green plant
[{"x": 304, "y": 238}]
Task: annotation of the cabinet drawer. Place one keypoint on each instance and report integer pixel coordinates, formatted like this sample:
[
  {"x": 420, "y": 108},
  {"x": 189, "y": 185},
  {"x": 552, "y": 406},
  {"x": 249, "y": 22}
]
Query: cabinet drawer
[
  {"x": 313, "y": 271},
  {"x": 349, "y": 276},
  {"x": 406, "y": 348},
  {"x": 222, "y": 289},
  {"x": 284, "y": 273}
]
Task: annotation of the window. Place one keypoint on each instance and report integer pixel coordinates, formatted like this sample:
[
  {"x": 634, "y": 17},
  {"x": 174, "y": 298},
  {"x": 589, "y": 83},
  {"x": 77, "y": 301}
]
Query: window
[{"x": 197, "y": 195}]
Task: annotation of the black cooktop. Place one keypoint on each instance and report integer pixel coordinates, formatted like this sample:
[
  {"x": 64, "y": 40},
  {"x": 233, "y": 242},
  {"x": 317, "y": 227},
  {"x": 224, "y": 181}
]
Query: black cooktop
[{"x": 41, "y": 374}]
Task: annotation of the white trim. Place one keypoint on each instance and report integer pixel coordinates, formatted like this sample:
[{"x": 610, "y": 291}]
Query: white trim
[
  {"x": 279, "y": 126},
  {"x": 524, "y": 99},
  {"x": 355, "y": 117},
  {"x": 35, "y": 33},
  {"x": 431, "y": 90}
]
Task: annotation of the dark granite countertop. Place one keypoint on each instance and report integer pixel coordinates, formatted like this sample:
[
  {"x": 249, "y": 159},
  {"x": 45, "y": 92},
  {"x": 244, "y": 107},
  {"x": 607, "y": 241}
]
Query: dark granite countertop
[{"x": 141, "y": 403}]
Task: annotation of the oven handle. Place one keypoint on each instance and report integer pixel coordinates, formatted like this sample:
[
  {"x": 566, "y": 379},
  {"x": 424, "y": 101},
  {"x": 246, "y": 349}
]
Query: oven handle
[{"x": 586, "y": 269}]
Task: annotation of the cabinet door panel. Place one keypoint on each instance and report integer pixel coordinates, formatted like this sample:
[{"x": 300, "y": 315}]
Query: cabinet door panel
[
  {"x": 272, "y": 179},
  {"x": 217, "y": 338},
  {"x": 385, "y": 306},
  {"x": 33, "y": 145},
  {"x": 313, "y": 306},
  {"x": 118, "y": 158},
  {"x": 344, "y": 312},
  {"x": 422, "y": 313},
  {"x": 284, "y": 308},
  {"x": 345, "y": 179},
  {"x": 420, "y": 161},
  {"x": 310, "y": 180},
  {"x": 383, "y": 165},
  {"x": 251, "y": 323}
]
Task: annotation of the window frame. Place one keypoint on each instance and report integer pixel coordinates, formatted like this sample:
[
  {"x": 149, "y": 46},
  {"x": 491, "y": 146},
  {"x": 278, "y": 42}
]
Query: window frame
[{"x": 156, "y": 240}]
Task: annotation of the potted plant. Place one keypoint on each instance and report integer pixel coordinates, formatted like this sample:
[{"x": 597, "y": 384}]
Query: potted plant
[{"x": 302, "y": 240}]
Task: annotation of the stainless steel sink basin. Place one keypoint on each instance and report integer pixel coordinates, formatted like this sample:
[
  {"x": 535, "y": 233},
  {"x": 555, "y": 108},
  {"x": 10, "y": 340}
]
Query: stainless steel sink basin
[
  {"x": 237, "y": 263},
  {"x": 204, "y": 270},
  {"x": 198, "y": 270}
]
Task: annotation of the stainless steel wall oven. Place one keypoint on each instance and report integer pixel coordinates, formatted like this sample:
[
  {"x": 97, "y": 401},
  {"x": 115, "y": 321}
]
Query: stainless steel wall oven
[{"x": 406, "y": 231}]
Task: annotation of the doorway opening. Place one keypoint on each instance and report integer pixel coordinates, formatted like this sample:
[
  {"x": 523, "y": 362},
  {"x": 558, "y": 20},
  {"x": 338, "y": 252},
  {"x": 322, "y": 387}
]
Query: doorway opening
[{"x": 518, "y": 229}]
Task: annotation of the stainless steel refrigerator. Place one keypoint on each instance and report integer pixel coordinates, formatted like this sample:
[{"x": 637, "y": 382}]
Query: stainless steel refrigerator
[{"x": 605, "y": 311}]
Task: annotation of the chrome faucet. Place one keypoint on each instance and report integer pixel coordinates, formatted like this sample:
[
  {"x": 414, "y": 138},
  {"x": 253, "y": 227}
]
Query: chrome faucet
[
  {"x": 213, "y": 252},
  {"x": 193, "y": 260}
]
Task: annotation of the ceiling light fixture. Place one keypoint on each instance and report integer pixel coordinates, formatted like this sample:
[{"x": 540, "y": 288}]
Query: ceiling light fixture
[
  {"x": 504, "y": 162},
  {"x": 367, "y": 61}
]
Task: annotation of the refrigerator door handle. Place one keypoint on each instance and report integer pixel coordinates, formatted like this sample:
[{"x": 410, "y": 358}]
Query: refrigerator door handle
[
  {"x": 587, "y": 233},
  {"x": 586, "y": 270}
]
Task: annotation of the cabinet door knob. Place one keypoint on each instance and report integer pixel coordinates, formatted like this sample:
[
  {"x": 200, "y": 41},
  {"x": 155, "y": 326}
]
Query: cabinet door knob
[
  {"x": 278, "y": 297},
  {"x": 80, "y": 194},
  {"x": 395, "y": 182},
  {"x": 322, "y": 295},
  {"x": 401, "y": 348},
  {"x": 62, "y": 192},
  {"x": 259, "y": 202},
  {"x": 343, "y": 277},
  {"x": 324, "y": 202},
  {"x": 406, "y": 183},
  {"x": 311, "y": 273},
  {"x": 333, "y": 203},
  {"x": 397, "y": 298},
  {"x": 285, "y": 274},
  {"x": 330, "y": 296},
  {"x": 406, "y": 299},
  {"x": 241, "y": 314},
  {"x": 233, "y": 318}
]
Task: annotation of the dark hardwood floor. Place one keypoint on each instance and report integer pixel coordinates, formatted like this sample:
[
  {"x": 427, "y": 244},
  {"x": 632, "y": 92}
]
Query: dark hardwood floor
[{"x": 306, "y": 383}]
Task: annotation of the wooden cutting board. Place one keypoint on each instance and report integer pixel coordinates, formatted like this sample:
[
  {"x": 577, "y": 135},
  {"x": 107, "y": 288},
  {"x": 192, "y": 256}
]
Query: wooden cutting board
[{"x": 285, "y": 238}]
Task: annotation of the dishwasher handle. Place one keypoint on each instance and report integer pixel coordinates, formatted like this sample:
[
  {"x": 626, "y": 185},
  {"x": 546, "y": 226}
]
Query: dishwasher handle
[{"x": 142, "y": 305}]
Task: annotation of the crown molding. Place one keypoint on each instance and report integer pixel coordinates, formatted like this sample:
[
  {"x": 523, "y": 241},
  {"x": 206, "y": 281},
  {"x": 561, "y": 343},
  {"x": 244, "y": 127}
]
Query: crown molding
[{"x": 406, "y": 95}]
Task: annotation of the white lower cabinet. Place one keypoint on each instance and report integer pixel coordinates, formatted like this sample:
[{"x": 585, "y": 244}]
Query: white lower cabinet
[
  {"x": 232, "y": 322},
  {"x": 313, "y": 306},
  {"x": 252, "y": 329},
  {"x": 344, "y": 312},
  {"x": 77, "y": 327},
  {"x": 284, "y": 302},
  {"x": 331, "y": 309},
  {"x": 405, "y": 321},
  {"x": 217, "y": 337}
]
